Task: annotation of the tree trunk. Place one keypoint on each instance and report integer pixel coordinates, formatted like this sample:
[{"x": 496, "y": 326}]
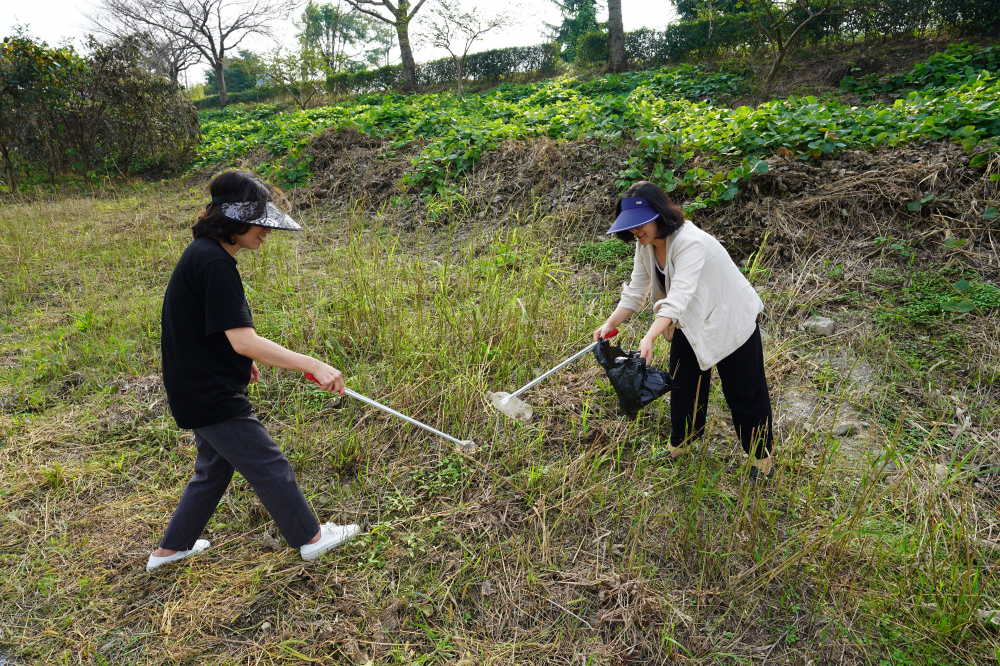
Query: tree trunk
[
  {"x": 405, "y": 50},
  {"x": 9, "y": 168},
  {"x": 458, "y": 71},
  {"x": 221, "y": 80},
  {"x": 336, "y": 30},
  {"x": 780, "y": 45},
  {"x": 779, "y": 56},
  {"x": 616, "y": 35}
]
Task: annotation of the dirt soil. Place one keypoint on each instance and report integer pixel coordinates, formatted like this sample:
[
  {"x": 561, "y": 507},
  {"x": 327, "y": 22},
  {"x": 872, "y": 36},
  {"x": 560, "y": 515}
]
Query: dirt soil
[{"x": 850, "y": 201}]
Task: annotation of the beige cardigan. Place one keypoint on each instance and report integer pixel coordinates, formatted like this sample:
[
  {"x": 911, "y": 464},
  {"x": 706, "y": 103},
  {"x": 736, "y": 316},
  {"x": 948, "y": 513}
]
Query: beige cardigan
[{"x": 706, "y": 295}]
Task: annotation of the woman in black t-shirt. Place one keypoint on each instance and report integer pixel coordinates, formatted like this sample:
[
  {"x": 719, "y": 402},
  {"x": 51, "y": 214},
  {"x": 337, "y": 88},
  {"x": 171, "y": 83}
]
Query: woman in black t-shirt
[{"x": 210, "y": 350}]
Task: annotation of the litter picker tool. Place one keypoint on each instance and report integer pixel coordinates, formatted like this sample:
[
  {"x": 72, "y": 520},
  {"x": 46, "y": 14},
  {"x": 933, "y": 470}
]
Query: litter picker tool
[
  {"x": 510, "y": 405},
  {"x": 464, "y": 445}
]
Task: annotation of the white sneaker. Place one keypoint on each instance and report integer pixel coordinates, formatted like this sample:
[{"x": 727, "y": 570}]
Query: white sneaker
[
  {"x": 154, "y": 561},
  {"x": 331, "y": 536}
]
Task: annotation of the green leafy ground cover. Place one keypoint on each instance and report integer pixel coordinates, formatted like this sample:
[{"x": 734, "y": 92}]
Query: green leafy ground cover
[
  {"x": 951, "y": 67},
  {"x": 670, "y": 115}
]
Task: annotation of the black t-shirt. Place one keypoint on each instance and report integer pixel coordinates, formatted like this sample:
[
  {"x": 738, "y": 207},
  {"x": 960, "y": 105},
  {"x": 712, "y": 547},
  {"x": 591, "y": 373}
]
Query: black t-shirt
[{"x": 206, "y": 380}]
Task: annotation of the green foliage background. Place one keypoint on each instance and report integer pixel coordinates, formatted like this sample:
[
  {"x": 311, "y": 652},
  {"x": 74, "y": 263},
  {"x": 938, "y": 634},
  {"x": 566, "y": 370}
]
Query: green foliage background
[{"x": 670, "y": 114}]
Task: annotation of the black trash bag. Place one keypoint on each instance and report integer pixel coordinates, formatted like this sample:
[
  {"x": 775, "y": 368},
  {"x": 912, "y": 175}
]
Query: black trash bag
[{"x": 636, "y": 384}]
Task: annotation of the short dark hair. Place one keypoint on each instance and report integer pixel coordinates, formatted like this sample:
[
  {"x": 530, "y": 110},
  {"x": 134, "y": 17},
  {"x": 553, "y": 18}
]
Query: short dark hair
[
  {"x": 670, "y": 219},
  {"x": 243, "y": 186}
]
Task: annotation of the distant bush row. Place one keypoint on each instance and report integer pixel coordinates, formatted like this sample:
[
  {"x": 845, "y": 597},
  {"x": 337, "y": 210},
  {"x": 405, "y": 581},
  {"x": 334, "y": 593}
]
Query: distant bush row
[
  {"x": 493, "y": 65},
  {"x": 864, "y": 19},
  {"x": 646, "y": 48}
]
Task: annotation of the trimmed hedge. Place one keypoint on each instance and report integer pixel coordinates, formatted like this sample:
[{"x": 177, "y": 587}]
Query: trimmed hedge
[
  {"x": 647, "y": 48},
  {"x": 259, "y": 94},
  {"x": 491, "y": 65},
  {"x": 704, "y": 37},
  {"x": 740, "y": 31}
]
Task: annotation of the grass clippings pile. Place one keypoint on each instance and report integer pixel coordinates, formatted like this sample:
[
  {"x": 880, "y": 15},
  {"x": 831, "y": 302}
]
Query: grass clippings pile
[{"x": 519, "y": 180}]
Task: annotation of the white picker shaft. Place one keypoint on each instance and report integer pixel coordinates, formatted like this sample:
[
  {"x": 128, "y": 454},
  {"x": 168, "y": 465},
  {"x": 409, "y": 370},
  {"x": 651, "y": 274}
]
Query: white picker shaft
[
  {"x": 550, "y": 372},
  {"x": 376, "y": 405}
]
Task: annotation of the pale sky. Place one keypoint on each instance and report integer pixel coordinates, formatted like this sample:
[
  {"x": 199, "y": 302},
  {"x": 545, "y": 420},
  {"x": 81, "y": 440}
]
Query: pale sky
[{"x": 57, "y": 21}]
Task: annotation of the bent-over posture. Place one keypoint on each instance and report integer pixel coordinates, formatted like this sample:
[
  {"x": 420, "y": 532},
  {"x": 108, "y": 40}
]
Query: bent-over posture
[{"x": 707, "y": 310}]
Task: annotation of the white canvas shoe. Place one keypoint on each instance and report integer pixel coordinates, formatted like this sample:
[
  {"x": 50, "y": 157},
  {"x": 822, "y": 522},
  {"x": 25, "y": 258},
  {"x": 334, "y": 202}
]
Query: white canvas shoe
[
  {"x": 154, "y": 561},
  {"x": 331, "y": 536}
]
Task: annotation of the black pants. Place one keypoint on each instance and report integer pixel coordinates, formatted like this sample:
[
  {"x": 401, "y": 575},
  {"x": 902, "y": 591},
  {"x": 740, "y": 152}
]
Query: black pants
[
  {"x": 242, "y": 444},
  {"x": 743, "y": 384}
]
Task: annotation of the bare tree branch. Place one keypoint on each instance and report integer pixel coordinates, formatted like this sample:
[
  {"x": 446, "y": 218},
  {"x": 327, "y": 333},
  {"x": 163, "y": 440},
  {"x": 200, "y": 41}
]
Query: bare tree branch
[
  {"x": 777, "y": 13},
  {"x": 450, "y": 24},
  {"x": 210, "y": 27}
]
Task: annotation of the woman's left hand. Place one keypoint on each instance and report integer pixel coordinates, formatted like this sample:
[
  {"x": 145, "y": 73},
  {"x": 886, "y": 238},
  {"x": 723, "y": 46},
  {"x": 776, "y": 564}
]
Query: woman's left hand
[
  {"x": 646, "y": 350},
  {"x": 254, "y": 373},
  {"x": 660, "y": 326}
]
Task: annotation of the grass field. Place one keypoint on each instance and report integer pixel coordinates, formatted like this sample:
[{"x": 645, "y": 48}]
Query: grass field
[{"x": 557, "y": 542}]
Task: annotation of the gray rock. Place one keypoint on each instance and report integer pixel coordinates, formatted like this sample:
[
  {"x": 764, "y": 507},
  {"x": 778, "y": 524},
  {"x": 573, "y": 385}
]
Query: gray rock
[
  {"x": 989, "y": 617},
  {"x": 880, "y": 457},
  {"x": 844, "y": 430},
  {"x": 819, "y": 326}
]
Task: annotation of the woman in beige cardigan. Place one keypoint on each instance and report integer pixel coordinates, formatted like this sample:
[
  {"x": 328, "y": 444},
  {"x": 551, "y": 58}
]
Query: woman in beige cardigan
[{"x": 706, "y": 308}]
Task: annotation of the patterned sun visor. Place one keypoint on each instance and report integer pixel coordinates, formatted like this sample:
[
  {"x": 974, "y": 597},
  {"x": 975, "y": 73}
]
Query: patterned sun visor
[{"x": 260, "y": 213}]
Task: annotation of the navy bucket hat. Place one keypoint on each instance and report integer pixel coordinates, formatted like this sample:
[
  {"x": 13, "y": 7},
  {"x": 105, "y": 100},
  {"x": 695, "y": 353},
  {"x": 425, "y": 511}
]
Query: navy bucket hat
[{"x": 636, "y": 211}]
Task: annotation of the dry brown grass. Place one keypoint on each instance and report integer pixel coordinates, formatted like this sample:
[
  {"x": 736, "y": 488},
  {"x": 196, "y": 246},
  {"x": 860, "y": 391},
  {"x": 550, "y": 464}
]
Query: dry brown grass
[{"x": 558, "y": 542}]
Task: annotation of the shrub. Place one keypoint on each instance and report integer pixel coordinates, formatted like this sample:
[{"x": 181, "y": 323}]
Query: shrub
[
  {"x": 593, "y": 48},
  {"x": 102, "y": 114}
]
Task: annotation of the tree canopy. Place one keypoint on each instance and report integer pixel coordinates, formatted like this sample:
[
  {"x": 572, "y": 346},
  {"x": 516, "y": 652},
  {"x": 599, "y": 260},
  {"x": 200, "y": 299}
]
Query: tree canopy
[{"x": 579, "y": 17}]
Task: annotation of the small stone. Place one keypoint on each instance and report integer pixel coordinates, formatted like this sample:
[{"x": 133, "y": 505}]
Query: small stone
[
  {"x": 844, "y": 430},
  {"x": 990, "y": 617},
  {"x": 819, "y": 326},
  {"x": 881, "y": 457},
  {"x": 486, "y": 589},
  {"x": 270, "y": 542},
  {"x": 265, "y": 626},
  {"x": 940, "y": 472}
]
